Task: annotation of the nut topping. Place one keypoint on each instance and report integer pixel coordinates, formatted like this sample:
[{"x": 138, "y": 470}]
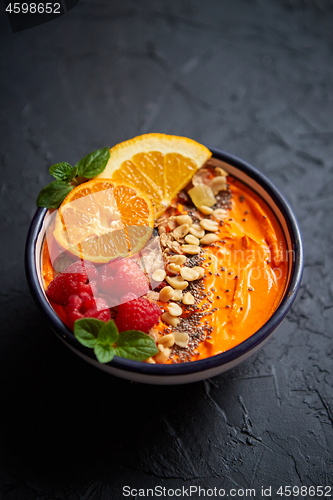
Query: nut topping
[
  {"x": 159, "y": 275},
  {"x": 192, "y": 240},
  {"x": 209, "y": 225},
  {"x": 181, "y": 338},
  {"x": 176, "y": 282},
  {"x": 191, "y": 249},
  {"x": 181, "y": 231},
  {"x": 197, "y": 231},
  {"x": 174, "y": 309},
  {"x": 170, "y": 320},
  {"x": 209, "y": 238},
  {"x": 188, "y": 299},
  {"x": 184, "y": 219},
  {"x": 189, "y": 273}
]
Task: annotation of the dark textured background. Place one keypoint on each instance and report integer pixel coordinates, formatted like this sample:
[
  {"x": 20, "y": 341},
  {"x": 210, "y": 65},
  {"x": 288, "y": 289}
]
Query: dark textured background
[{"x": 253, "y": 77}]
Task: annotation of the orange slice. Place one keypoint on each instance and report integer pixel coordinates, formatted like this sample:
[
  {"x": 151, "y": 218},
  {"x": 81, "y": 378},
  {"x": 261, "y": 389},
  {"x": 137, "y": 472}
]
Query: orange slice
[
  {"x": 159, "y": 165},
  {"x": 103, "y": 219}
]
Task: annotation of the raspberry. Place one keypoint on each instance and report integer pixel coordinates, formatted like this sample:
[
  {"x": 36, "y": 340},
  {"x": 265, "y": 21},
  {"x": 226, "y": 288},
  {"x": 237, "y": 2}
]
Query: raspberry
[
  {"x": 121, "y": 277},
  {"x": 138, "y": 314},
  {"x": 83, "y": 305},
  {"x": 159, "y": 287},
  {"x": 74, "y": 280}
]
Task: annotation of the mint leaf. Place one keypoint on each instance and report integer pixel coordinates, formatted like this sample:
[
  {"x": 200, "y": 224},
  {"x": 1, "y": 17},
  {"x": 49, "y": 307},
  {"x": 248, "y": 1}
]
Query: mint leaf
[
  {"x": 53, "y": 194},
  {"x": 93, "y": 164},
  {"x": 63, "y": 171},
  {"x": 86, "y": 331},
  {"x": 108, "y": 334},
  {"x": 135, "y": 345},
  {"x": 104, "y": 353},
  {"x": 107, "y": 342}
]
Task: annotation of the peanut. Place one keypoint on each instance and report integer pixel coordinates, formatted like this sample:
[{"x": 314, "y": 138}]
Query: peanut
[
  {"x": 188, "y": 299},
  {"x": 177, "y": 259},
  {"x": 218, "y": 184},
  {"x": 189, "y": 274},
  {"x": 192, "y": 240},
  {"x": 174, "y": 309},
  {"x": 159, "y": 275},
  {"x": 209, "y": 225},
  {"x": 166, "y": 341},
  {"x": 191, "y": 249},
  {"x": 220, "y": 214},
  {"x": 199, "y": 270},
  {"x": 173, "y": 268},
  {"x": 170, "y": 320},
  {"x": 151, "y": 361},
  {"x": 166, "y": 294},
  {"x": 162, "y": 357},
  {"x": 184, "y": 219},
  {"x": 209, "y": 238},
  {"x": 181, "y": 231},
  {"x": 197, "y": 231},
  {"x": 205, "y": 210},
  {"x": 181, "y": 339},
  {"x": 176, "y": 282},
  {"x": 177, "y": 295}
]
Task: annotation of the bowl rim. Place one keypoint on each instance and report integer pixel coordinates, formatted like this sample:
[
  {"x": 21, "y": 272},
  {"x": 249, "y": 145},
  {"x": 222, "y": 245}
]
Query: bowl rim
[{"x": 65, "y": 334}]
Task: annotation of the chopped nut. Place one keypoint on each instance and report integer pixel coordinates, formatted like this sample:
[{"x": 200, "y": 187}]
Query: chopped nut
[
  {"x": 218, "y": 184},
  {"x": 166, "y": 294},
  {"x": 188, "y": 299},
  {"x": 191, "y": 249},
  {"x": 177, "y": 259},
  {"x": 209, "y": 225},
  {"x": 192, "y": 240},
  {"x": 181, "y": 338},
  {"x": 209, "y": 238},
  {"x": 163, "y": 239},
  {"x": 189, "y": 273},
  {"x": 159, "y": 275},
  {"x": 181, "y": 231},
  {"x": 199, "y": 270},
  {"x": 172, "y": 224},
  {"x": 151, "y": 361},
  {"x": 166, "y": 341},
  {"x": 173, "y": 268},
  {"x": 197, "y": 231},
  {"x": 161, "y": 230},
  {"x": 202, "y": 176},
  {"x": 170, "y": 320},
  {"x": 176, "y": 282},
  {"x": 205, "y": 210},
  {"x": 175, "y": 309},
  {"x": 175, "y": 247},
  {"x": 152, "y": 296},
  {"x": 220, "y": 214},
  {"x": 184, "y": 219},
  {"x": 162, "y": 357},
  {"x": 220, "y": 171},
  {"x": 177, "y": 295}
]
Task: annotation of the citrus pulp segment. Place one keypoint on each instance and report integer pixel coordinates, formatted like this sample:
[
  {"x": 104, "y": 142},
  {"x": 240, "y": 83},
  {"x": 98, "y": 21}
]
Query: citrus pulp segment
[
  {"x": 103, "y": 219},
  {"x": 159, "y": 165}
]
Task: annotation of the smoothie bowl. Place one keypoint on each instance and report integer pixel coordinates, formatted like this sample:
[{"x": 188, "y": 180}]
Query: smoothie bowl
[{"x": 169, "y": 286}]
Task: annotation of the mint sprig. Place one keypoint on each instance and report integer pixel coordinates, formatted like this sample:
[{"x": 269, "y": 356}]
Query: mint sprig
[
  {"x": 63, "y": 171},
  {"x": 67, "y": 177},
  {"x": 107, "y": 342}
]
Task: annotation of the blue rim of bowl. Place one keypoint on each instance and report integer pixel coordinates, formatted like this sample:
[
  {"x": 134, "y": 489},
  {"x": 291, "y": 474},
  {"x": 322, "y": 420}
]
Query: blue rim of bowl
[{"x": 226, "y": 357}]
